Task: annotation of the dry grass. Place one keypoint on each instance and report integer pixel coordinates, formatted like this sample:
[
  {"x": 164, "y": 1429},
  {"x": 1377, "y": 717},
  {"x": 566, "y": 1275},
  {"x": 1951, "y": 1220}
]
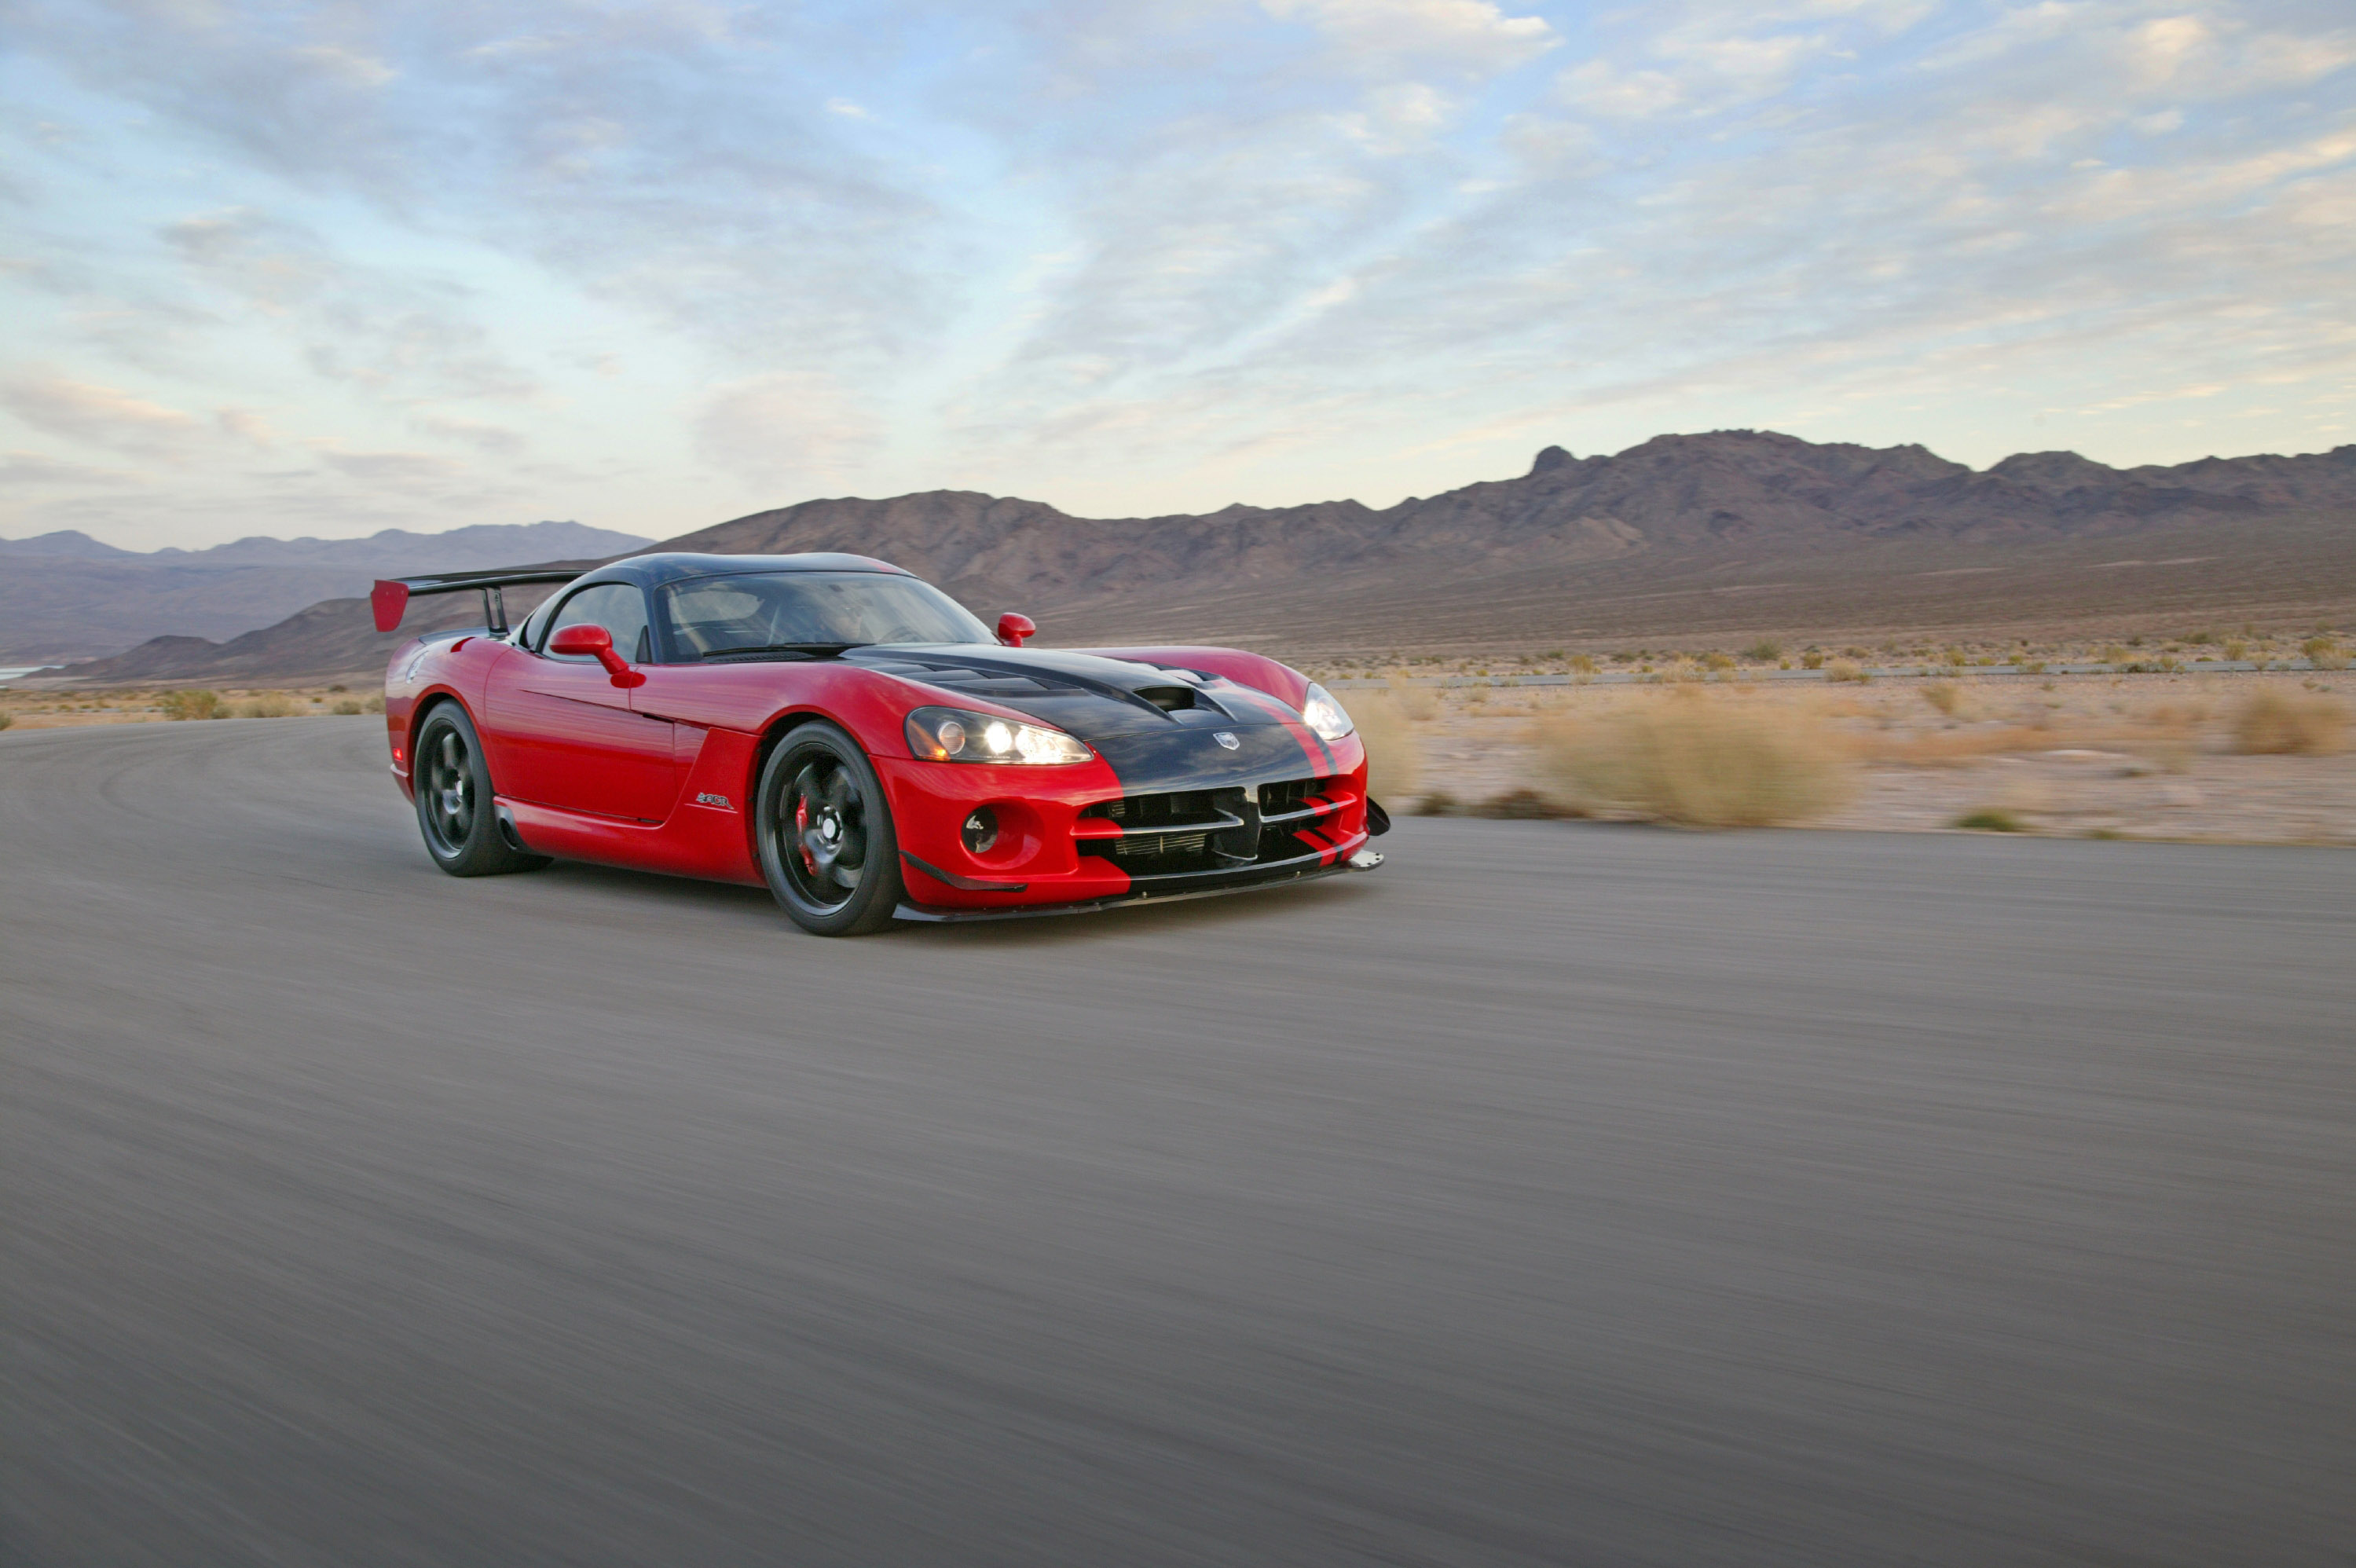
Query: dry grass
[
  {"x": 1394, "y": 761},
  {"x": 269, "y": 705},
  {"x": 2324, "y": 653},
  {"x": 2275, "y": 723},
  {"x": 7, "y": 719},
  {"x": 1948, "y": 747},
  {"x": 192, "y": 705},
  {"x": 1846, "y": 670},
  {"x": 1943, "y": 695},
  {"x": 1416, "y": 703},
  {"x": 1695, "y": 760}
]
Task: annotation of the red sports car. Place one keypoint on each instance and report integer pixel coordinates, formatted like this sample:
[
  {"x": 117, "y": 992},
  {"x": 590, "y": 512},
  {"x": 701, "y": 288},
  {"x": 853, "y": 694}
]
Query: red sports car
[{"x": 850, "y": 737}]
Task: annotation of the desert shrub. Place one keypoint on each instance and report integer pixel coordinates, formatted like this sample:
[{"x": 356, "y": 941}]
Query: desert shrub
[
  {"x": 2285, "y": 724},
  {"x": 1766, "y": 651},
  {"x": 2235, "y": 647},
  {"x": 1581, "y": 664},
  {"x": 1695, "y": 760},
  {"x": 2199, "y": 638},
  {"x": 191, "y": 705},
  {"x": 1416, "y": 703},
  {"x": 1394, "y": 763},
  {"x": 1518, "y": 805},
  {"x": 1718, "y": 661},
  {"x": 1846, "y": 670},
  {"x": 1989, "y": 820},
  {"x": 1438, "y": 803},
  {"x": 7, "y": 719},
  {"x": 1943, "y": 695},
  {"x": 2324, "y": 653},
  {"x": 347, "y": 708},
  {"x": 269, "y": 705},
  {"x": 1814, "y": 658}
]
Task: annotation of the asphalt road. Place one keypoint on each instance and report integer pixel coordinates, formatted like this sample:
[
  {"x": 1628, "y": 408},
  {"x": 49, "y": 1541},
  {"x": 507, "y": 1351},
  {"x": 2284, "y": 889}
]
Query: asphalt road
[{"x": 1557, "y": 1194}]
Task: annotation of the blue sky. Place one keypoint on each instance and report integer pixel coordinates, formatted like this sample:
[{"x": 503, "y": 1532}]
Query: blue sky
[{"x": 326, "y": 269}]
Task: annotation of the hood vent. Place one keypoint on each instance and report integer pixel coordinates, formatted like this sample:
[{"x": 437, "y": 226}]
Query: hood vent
[{"x": 1169, "y": 699}]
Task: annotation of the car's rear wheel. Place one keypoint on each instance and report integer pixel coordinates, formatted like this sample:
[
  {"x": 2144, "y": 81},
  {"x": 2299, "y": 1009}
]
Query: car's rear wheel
[
  {"x": 453, "y": 789},
  {"x": 825, "y": 831}
]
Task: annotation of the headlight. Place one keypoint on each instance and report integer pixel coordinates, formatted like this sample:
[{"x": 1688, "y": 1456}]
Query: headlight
[
  {"x": 953, "y": 734},
  {"x": 1324, "y": 714}
]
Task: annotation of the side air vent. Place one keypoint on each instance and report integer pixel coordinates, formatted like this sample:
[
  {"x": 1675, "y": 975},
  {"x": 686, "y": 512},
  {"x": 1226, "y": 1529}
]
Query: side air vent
[{"x": 1169, "y": 699}]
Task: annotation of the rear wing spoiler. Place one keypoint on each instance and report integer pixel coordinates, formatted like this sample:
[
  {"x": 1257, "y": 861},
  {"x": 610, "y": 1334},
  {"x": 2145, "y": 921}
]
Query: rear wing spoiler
[{"x": 391, "y": 595}]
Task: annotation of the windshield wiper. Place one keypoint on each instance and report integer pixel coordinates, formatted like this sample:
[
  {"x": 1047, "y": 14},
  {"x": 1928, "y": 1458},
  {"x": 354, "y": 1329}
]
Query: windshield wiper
[{"x": 806, "y": 650}]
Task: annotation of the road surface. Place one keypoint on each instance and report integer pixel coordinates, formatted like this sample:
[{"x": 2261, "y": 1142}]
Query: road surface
[{"x": 1557, "y": 1194}]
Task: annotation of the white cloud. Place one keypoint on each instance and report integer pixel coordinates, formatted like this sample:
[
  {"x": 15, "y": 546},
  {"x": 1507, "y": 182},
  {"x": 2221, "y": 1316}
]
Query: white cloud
[
  {"x": 790, "y": 427},
  {"x": 423, "y": 471},
  {"x": 38, "y": 470},
  {"x": 491, "y": 440},
  {"x": 1423, "y": 35},
  {"x": 342, "y": 64},
  {"x": 246, "y": 426},
  {"x": 389, "y": 331},
  {"x": 99, "y": 415}
]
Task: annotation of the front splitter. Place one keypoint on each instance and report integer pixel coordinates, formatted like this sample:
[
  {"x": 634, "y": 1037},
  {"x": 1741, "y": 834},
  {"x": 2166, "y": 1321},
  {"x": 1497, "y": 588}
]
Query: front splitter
[{"x": 1365, "y": 860}]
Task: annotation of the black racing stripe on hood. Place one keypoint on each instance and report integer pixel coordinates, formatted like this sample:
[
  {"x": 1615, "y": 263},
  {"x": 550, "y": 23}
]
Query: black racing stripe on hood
[
  {"x": 1092, "y": 697},
  {"x": 1189, "y": 759}
]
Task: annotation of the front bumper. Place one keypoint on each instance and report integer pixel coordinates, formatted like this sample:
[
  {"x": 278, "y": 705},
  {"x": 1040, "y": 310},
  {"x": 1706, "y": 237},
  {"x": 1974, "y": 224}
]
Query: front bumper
[
  {"x": 1256, "y": 879},
  {"x": 1058, "y": 849}
]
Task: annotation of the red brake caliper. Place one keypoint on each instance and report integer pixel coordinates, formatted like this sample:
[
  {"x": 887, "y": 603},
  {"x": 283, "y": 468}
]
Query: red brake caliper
[{"x": 801, "y": 834}]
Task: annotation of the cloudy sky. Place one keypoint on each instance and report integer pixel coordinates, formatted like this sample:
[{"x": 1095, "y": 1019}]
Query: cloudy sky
[{"x": 326, "y": 268}]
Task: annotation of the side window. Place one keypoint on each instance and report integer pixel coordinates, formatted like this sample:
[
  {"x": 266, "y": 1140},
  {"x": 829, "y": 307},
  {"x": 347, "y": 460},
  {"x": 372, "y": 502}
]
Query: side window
[{"x": 619, "y": 607}]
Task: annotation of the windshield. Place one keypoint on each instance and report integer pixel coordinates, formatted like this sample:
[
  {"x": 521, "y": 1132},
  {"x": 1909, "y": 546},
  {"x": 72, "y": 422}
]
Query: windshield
[{"x": 786, "y": 609}]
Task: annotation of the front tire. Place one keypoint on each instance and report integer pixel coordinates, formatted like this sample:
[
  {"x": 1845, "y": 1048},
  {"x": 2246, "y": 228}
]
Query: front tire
[
  {"x": 828, "y": 850},
  {"x": 452, "y": 785}
]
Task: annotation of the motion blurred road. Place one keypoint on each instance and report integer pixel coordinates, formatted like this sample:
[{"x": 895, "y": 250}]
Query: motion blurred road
[{"x": 1558, "y": 1194}]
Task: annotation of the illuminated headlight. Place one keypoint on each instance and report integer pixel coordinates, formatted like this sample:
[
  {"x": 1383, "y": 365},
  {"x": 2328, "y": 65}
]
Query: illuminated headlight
[
  {"x": 953, "y": 735},
  {"x": 1324, "y": 714}
]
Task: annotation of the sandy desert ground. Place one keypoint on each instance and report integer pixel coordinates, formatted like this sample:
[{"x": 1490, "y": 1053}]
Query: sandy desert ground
[
  {"x": 2138, "y": 756},
  {"x": 2102, "y": 755}
]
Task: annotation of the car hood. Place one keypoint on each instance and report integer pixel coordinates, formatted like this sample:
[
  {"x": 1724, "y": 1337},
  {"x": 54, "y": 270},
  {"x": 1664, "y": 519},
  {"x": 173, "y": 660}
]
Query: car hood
[{"x": 1158, "y": 727}]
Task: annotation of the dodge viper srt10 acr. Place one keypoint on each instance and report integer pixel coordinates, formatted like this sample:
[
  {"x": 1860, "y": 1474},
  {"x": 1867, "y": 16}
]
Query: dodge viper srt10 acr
[{"x": 845, "y": 734}]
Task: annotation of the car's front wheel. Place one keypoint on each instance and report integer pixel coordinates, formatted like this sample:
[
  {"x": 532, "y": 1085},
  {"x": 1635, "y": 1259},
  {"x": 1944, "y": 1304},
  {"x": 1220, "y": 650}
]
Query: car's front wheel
[
  {"x": 452, "y": 789},
  {"x": 828, "y": 850}
]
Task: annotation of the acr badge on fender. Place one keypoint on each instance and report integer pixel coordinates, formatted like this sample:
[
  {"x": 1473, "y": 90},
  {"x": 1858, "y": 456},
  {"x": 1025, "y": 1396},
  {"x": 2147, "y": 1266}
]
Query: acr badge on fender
[{"x": 1226, "y": 739}]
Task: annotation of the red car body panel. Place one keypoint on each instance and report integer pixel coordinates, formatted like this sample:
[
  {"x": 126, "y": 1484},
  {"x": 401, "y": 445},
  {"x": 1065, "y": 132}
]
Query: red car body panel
[{"x": 659, "y": 775}]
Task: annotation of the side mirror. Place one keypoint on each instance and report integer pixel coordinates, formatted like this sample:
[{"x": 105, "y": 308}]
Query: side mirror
[
  {"x": 1013, "y": 629},
  {"x": 595, "y": 642}
]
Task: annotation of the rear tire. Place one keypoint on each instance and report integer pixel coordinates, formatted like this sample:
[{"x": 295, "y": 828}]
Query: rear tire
[
  {"x": 452, "y": 785},
  {"x": 824, "y": 828}
]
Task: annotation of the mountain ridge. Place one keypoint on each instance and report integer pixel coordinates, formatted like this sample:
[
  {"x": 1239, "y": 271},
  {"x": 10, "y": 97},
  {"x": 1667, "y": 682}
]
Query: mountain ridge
[
  {"x": 1719, "y": 534},
  {"x": 68, "y": 595}
]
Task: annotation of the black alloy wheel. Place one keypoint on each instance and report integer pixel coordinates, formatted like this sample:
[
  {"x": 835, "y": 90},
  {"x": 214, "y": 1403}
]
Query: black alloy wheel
[
  {"x": 453, "y": 789},
  {"x": 828, "y": 850}
]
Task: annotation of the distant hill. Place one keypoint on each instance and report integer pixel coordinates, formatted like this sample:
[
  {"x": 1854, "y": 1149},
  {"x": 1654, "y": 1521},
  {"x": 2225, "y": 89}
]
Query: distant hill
[
  {"x": 66, "y": 544},
  {"x": 68, "y": 595},
  {"x": 1684, "y": 539}
]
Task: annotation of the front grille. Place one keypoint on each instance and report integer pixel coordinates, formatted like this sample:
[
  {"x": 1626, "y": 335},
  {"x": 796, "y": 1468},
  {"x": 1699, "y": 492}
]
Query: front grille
[
  {"x": 1288, "y": 797},
  {"x": 1139, "y": 813},
  {"x": 1209, "y": 830}
]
